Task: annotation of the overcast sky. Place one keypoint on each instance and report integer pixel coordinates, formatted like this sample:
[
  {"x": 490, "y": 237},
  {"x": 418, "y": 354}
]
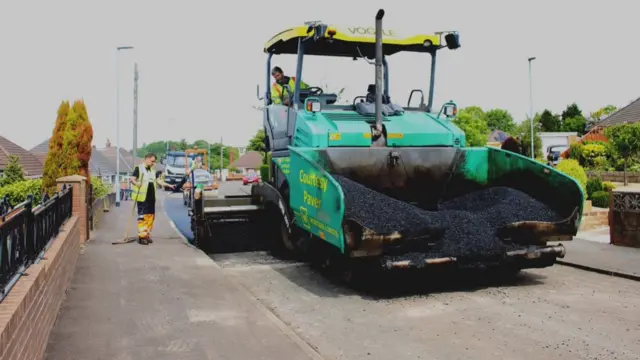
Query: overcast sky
[{"x": 200, "y": 61}]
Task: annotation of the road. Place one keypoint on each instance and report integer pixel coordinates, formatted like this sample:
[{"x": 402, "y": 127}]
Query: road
[{"x": 553, "y": 313}]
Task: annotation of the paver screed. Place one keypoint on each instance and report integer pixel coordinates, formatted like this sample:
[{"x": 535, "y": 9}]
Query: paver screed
[{"x": 165, "y": 300}]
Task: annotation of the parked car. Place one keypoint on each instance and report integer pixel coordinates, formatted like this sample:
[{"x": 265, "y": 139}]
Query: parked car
[
  {"x": 553, "y": 154},
  {"x": 250, "y": 178}
]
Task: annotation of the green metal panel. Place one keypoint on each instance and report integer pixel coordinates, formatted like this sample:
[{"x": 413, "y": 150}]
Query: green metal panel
[
  {"x": 350, "y": 129},
  {"x": 315, "y": 197},
  {"x": 283, "y": 164}
]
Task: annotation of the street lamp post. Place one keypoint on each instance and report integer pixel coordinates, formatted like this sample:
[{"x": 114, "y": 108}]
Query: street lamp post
[
  {"x": 533, "y": 156},
  {"x": 119, "y": 48}
]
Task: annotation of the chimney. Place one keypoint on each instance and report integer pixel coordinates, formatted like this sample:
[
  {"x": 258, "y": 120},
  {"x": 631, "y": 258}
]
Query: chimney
[{"x": 108, "y": 143}]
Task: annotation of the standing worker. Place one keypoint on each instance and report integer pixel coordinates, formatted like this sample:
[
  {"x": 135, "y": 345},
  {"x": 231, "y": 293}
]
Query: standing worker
[{"x": 144, "y": 193}]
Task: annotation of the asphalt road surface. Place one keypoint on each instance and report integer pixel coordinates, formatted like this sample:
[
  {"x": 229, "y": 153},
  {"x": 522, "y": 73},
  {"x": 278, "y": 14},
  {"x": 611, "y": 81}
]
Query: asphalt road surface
[{"x": 553, "y": 313}]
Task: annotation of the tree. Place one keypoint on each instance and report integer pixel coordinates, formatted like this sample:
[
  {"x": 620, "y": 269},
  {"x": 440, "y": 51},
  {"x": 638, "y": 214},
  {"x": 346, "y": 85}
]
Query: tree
[
  {"x": 625, "y": 140},
  {"x": 56, "y": 159},
  {"x": 550, "y": 122},
  {"x": 524, "y": 131},
  {"x": 473, "y": 121},
  {"x": 256, "y": 143},
  {"x": 13, "y": 173},
  {"x": 571, "y": 111},
  {"x": 575, "y": 124},
  {"x": 600, "y": 114},
  {"x": 83, "y": 137},
  {"x": 499, "y": 119},
  {"x": 573, "y": 120},
  {"x": 228, "y": 153}
]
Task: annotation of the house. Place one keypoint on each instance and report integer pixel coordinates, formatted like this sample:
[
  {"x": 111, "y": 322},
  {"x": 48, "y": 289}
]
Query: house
[
  {"x": 31, "y": 166},
  {"x": 251, "y": 160},
  {"x": 626, "y": 115}
]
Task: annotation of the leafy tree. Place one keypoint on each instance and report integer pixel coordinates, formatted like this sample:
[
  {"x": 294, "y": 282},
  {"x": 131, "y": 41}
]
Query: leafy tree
[
  {"x": 625, "y": 140},
  {"x": 473, "y": 121},
  {"x": 550, "y": 122},
  {"x": 524, "y": 131},
  {"x": 157, "y": 147},
  {"x": 229, "y": 154},
  {"x": 571, "y": 111},
  {"x": 575, "y": 124},
  {"x": 56, "y": 159},
  {"x": 600, "y": 115},
  {"x": 256, "y": 143},
  {"x": 501, "y": 120}
]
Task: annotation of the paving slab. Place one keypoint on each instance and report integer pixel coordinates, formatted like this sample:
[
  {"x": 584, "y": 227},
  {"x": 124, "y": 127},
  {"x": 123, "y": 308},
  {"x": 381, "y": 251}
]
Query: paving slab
[
  {"x": 603, "y": 258},
  {"x": 166, "y": 300}
]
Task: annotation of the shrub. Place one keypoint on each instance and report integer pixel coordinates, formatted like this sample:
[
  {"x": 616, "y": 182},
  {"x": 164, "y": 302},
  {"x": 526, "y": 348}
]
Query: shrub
[
  {"x": 594, "y": 185},
  {"x": 608, "y": 186},
  {"x": 571, "y": 168},
  {"x": 264, "y": 172},
  {"x": 100, "y": 189},
  {"x": 600, "y": 199},
  {"x": 18, "y": 192},
  {"x": 13, "y": 172}
]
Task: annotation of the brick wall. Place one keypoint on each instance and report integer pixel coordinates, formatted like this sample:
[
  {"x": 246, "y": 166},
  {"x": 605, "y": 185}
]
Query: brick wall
[
  {"x": 29, "y": 311},
  {"x": 615, "y": 176}
]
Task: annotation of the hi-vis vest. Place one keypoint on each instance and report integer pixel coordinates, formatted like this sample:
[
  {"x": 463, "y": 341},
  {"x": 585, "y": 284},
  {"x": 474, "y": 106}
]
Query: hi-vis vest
[
  {"x": 277, "y": 90},
  {"x": 147, "y": 177}
]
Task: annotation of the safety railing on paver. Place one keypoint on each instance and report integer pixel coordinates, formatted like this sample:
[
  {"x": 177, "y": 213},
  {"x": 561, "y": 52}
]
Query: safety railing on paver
[{"x": 26, "y": 233}]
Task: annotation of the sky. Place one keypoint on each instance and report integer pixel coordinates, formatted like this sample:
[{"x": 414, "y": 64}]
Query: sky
[{"x": 200, "y": 61}]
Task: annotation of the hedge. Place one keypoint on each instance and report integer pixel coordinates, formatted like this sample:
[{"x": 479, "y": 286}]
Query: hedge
[
  {"x": 600, "y": 199},
  {"x": 572, "y": 168},
  {"x": 100, "y": 189},
  {"x": 18, "y": 192}
]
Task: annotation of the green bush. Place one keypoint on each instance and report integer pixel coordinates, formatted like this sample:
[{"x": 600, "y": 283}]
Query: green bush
[
  {"x": 571, "y": 168},
  {"x": 608, "y": 186},
  {"x": 264, "y": 172},
  {"x": 18, "y": 192},
  {"x": 594, "y": 185},
  {"x": 100, "y": 189},
  {"x": 600, "y": 199}
]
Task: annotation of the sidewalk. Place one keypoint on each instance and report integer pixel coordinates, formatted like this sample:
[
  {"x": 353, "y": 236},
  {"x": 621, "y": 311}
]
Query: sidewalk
[
  {"x": 166, "y": 300},
  {"x": 592, "y": 251}
]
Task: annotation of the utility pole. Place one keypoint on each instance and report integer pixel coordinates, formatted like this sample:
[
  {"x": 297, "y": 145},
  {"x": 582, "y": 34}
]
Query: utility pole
[
  {"x": 533, "y": 155},
  {"x": 118, "y": 121},
  {"x": 221, "y": 158},
  {"x": 135, "y": 112}
]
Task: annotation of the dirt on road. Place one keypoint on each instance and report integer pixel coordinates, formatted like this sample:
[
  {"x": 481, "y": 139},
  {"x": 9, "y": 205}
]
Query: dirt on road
[{"x": 553, "y": 313}]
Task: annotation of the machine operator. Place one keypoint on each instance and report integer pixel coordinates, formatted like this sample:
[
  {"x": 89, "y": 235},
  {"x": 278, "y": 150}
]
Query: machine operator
[{"x": 279, "y": 95}]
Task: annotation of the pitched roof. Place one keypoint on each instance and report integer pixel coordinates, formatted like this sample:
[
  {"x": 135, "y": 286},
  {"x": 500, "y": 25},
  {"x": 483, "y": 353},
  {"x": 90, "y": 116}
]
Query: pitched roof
[
  {"x": 627, "y": 114},
  {"x": 30, "y": 164},
  {"x": 250, "y": 160}
]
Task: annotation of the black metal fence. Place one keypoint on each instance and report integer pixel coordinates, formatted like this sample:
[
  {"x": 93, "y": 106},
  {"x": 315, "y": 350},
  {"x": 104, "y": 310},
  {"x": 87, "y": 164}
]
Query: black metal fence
[{"x": 26, "y": 232}]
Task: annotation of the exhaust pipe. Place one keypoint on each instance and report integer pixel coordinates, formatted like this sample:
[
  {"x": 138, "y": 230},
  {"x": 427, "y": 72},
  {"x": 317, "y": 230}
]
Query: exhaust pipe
[{"x": 378, "y": 83}]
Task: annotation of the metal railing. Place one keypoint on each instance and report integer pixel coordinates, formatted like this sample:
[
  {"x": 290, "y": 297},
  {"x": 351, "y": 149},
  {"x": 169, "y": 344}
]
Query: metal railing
[{"x": 26, "y": 233}]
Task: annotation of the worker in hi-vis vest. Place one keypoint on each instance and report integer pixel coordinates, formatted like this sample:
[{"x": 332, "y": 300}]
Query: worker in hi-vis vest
[
  {"x": 143, "y": 192},
  {"x": 280, "y": 95}
]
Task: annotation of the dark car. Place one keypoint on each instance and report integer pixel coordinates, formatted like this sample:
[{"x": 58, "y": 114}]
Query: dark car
[{"x": 553, "y": 153}]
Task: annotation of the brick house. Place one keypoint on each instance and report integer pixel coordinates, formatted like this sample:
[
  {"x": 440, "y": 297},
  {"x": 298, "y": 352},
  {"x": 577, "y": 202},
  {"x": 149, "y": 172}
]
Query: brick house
[
  {"x": 251, "y": 160},
  {"x": 31, "y": 166}
]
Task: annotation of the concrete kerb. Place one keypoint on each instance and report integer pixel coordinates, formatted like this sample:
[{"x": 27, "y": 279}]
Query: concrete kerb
[
  {"x": 599, "y": 271},
  {"x": 305, "y": 346}
]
